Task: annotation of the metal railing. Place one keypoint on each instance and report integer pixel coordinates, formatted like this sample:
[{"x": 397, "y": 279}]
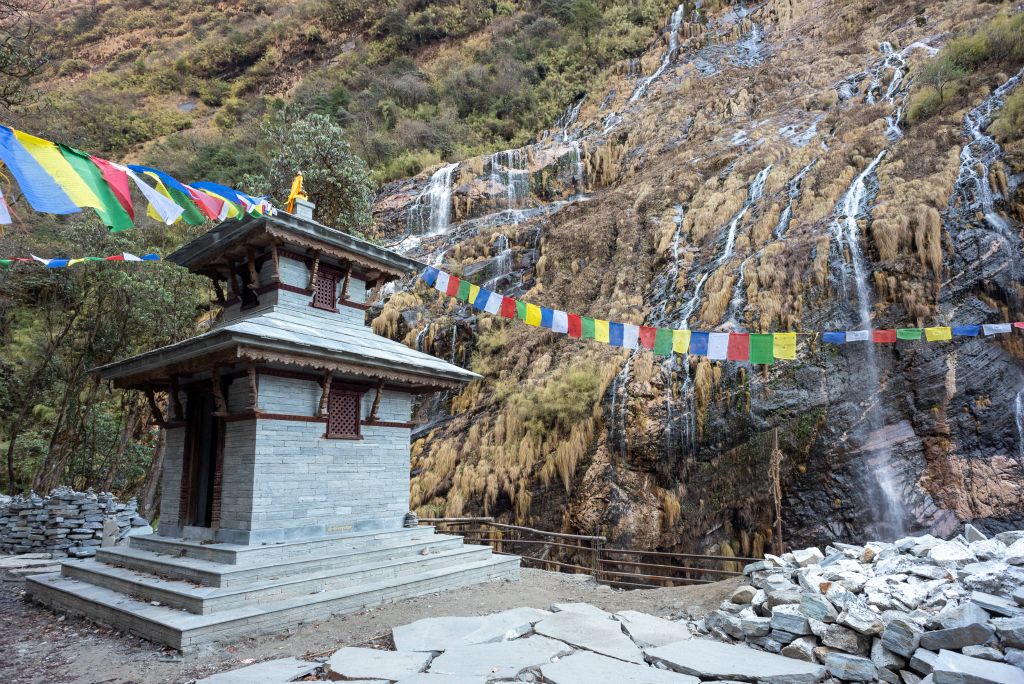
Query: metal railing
[{"x": 588, "y": 554}]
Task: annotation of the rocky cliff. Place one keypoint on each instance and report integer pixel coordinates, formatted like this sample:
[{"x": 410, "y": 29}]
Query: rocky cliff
[{"x": 755, "y": 170}]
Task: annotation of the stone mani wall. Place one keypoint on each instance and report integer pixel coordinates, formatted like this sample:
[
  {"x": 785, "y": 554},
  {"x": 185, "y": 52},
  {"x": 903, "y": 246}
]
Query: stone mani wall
[{"x": 66, "y": 521}]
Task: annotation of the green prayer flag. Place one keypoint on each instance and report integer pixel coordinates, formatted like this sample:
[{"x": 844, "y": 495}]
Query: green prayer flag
[
  {"x": 762, "y": 348},
  {"x": 111, "y": 213},
  {"x": 908, "y": 333},
  {"x": 6, "y": 263},
  {"x": 663, "y": 342},
  {"x": 463, "y": 293},
  {"x": 587, "y": 325},
  {"x": 520, "y": 310}
]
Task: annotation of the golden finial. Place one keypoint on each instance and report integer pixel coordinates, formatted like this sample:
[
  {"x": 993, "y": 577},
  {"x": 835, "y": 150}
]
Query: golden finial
[{"x": 297, "y": 192}]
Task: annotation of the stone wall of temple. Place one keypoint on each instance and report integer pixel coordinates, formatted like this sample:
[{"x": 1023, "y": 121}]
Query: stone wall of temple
[{"x": 65, "y": 522}]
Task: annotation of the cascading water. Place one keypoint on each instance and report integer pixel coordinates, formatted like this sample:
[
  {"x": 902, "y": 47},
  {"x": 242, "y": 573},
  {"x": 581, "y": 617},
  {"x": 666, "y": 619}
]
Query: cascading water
[
  {"x": 509, "y": 168},
  {"x": 793, "y": 192},
  {"x": 421, "y": 336},
  {"x": 430, "y": 214},
  {"x": 578, "y": 172},
  {"x": 618, "y": 408},
  {"x": 569, "y": 118},
  {"x": 972, "y": 192},
  {"x": 502, "y": 261},
  {"x": 670, "y": 54},
  {"x": 753, "y": 194},
  {"x": 1018, "y": 406},
  {"x": 883, "y": 497}
]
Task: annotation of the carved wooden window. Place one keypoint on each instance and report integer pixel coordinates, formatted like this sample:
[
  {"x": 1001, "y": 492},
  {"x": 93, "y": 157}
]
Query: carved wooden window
[
  {"x": 324, "y": 291},
  {"x": 343, "y": 414}
]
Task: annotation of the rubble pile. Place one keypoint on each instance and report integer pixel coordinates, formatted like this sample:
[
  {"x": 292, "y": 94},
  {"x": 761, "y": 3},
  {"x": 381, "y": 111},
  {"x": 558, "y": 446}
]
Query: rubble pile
[
  {"x": 899, "y": 612},
  {"x": 66, "y": 522}
]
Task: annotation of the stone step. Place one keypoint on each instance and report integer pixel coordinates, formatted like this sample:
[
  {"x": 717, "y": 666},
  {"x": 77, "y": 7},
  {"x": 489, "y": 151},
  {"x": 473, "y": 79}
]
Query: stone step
[
  {"x": 206, "y": 600},
  {"x": 212, "y": 574},
  {"x": 238, "y": 554},
  {"x": 185, "y": 631}
]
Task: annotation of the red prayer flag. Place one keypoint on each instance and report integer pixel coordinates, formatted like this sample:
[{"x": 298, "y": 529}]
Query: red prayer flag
[
  {"x": 508, "y": 305},
  {"x": 118, "y": 182},
  {"x": 211, "y": 206},
  {"x": 116, "y": 257},
  {"x": 882, "y": 336},
  {"x": 453, "y": 286},
  {"x": 647, "y": 336},
  {"x": 1019, "y": 325},
  {"x": 575, "y": 326},
  {"x": 739, "y": 347}
]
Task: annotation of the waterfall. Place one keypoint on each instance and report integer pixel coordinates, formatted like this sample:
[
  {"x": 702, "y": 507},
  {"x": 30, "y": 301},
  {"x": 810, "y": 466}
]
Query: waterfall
[
  {"x": 882, "y": 496},
  {"x": 502, "y": 261},
  {"x": 617, "y": 410},
  {"x": 420, "y": 336},
  {"x": 578, "y": 172},
  {"x": 736, "y": 301},
  {"x": 455, "y": 335},
  {"x": 1018, "y": 405},
  {"x": 568, "y": 119},
  {"x": 793, "y": 191},
  {"x": 753, "y": 194},
  {"x": 972, "y": 190},
  {"x": 509, "y": 168},
  {"x": 666, "y": 59},
  {"x": 430, "y": 214}
]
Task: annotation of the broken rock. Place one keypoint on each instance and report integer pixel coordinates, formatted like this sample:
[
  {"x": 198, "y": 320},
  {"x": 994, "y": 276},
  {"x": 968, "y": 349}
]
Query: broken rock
[
  {"x": 598, "y": 669},
  {"x": 590, "y": 632},
  {"x": 714, "y": 660},
  {"x": 371, "y": 663},
  {"x": 954, "y": 668}
]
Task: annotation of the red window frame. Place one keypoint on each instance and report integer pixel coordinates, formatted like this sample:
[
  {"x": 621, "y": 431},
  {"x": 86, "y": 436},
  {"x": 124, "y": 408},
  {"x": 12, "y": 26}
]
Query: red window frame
[
  {"x": 326, "y": 281},
  {"x": 344, "y": 413}
]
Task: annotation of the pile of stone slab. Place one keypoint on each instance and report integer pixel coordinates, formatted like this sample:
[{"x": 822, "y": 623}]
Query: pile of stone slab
[
  {"x": 66, "y": 522},
  {"x": 574, "y": 643},
  {"x": 917, "y": 610}
]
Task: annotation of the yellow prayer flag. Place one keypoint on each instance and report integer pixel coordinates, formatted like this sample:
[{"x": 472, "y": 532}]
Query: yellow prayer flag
[
  {"x": 474, "y": 290},
  {"x": 72, "y": 262},
  {"x": 938, "y": 334},
  {"x": 784, "y": 345},
  {"x": 601, "y": 330},
  {"x": 532, "y": 314},
  {"x": 152, "y": 212},
  {"x": 680, "y": 341},
  {"x": 54, "y": 163}
]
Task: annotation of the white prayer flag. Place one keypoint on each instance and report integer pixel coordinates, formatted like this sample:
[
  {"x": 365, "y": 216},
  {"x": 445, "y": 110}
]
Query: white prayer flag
[
  {"x": 718, "y": 346},
  {"x": 493, "y": 305},
  {"x": 630, "y": 335},
  {"x": 858, "y": 335},
  {"x": 164, "y": 207},
  {"x": 5, "y": 212},
  {"x": 560, "y": 322},
  {"x": 441, "y": 284},
  {"x": 129, "y": 257},
  {"x": 996, "y": 328}
]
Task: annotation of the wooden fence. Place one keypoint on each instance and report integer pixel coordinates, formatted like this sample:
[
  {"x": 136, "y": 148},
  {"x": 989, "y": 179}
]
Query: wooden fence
[{"x": 590, "y": 555}]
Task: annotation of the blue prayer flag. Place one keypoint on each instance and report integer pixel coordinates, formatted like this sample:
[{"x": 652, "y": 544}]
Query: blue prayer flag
[
  {"x": 481, "y": 298},
  {"x": 429, "y": 276},
  {"x": 38, "y": 186},
  {"x": 57, "y": 263},
  {"x": 834, "y": 338},
  {"x": 546, "y": 316},
  {"x": 966, "y": 330},
  {"x": 699, "y": 343},
  {"x": 167, "y": 179},
  {"x": 151, "y": 257},
  {"x": 615, "y": 331}
]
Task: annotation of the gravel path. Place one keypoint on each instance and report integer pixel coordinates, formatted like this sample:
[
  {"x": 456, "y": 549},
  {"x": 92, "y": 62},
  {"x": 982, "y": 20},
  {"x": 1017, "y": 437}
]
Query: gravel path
[{"x": 37, "y": 645}]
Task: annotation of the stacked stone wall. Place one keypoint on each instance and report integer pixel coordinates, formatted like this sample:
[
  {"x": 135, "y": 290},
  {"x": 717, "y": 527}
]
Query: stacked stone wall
[{"x": 65, "y": 522}]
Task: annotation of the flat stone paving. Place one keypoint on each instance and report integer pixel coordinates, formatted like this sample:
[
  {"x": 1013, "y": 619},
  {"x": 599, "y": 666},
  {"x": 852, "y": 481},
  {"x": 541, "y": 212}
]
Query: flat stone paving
[
  {"x": 598, "y": 669},
  {"x": 503, "y": 660},
  {"x": 281, "y": 670},
  {"x": 716, "y": 660},
  {"x": 441, "y": 633}
]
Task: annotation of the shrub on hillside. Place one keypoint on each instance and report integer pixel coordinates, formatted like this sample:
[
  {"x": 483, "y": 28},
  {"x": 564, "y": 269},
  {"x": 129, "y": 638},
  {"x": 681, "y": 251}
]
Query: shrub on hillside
[{"x": 1010, "y": 124}]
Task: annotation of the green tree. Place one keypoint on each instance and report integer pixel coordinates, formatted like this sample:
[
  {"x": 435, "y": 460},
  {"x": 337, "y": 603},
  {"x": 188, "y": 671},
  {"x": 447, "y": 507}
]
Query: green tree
[
  {"x": 941, "y": 74},
  {"x": 335, "y": 178},
  {"x": 22, "y": 48},
  {"x": 586, "y": 17}
]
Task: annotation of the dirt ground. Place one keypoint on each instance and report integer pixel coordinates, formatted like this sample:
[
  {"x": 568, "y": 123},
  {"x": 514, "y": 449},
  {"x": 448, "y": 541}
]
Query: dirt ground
[{"x": 37, "y": 645}]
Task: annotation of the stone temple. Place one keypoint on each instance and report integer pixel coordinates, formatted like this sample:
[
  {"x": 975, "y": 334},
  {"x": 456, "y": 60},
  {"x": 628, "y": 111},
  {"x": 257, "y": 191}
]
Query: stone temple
[{"x": 285, "y": 487}]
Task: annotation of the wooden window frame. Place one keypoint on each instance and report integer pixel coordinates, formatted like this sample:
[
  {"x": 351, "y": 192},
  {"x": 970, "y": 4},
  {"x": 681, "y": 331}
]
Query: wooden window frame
[
  {"x": 333, "y": 276},
  {"x": 341, "y": 390}
]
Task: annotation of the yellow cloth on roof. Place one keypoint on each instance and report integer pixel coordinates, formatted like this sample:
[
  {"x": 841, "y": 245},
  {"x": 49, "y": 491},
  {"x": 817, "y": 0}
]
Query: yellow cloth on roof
[{"x": 53, "y": 162}]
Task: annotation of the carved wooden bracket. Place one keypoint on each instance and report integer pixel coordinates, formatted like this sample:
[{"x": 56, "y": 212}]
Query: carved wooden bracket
[
  {"x": 344, "y": 286},
  {"x": 218, "y": 393},
  {"x": 219, "y": 291},
  {"x": 313, "y": 271},
  {"x": 158, "y": 415},
  {"x": 232, "y": 283},
  {"x": 277, "y": 261},
  {"x": 253, "y": 387},
  {"x": 376, "y": 401},
  {"x": 179, "y": 411},
  {"x": 325, "y": 396},
  {"x": 254, "y": 276}
]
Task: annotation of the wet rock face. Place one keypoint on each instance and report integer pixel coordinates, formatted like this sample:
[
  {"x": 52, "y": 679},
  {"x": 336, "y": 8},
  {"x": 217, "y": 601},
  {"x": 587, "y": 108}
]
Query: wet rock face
[{"x": 741, "y": 189}]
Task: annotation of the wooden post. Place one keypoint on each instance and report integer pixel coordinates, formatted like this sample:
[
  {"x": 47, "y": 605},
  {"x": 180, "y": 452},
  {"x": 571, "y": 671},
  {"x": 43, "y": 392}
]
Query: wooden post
[
  {"x": 313, "y": 271},
  {"x": 232, "y": 283},
  {"x": 253, "y": 387},
  {"x": 775, "y": 468},
  {"x": 344, "y": 286},
  {"x": 179, "y": 411},
  {"x": 325, "y": 396},
  {"x": 218, "y": 291},
  {"x": 277, "y": 261},
  {"x": 376, "y": 401},
  {"x": 254, "y": 276},
  {"x": 218, "y": 393},
  {"x": 158, "y": 415}
]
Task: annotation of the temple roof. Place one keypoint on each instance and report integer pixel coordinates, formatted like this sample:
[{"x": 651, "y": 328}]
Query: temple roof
[
  {"x": 283, "y": 335},
  {"x": 235, "y": 236}
]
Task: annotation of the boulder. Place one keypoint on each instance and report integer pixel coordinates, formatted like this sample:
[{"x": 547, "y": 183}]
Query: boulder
[
  {"x": 801, "y": 649},
  {"x": 1010, "y": 631},
  {"x": 862, "y": 619},
  {"x": 598, "y": 669},
  {"x": 961, "y": 615},
  {"x": 973, "y": 534},
  {"x": 789, "y": 618},
  {"x": 983, "y": 652},
  {"x": 951, "y": 554},
  {"x": 1015, "y": 553},
  {"x": 744, "y": 594},
  {"x": 728, "y": 625},
  {"x": 996, "y": 604},
  {"x": 955, "y": 668},
  {"x": 988, "y": 549},
  {"x": 783, "y": 596},
  {"x": 584, "y": 608},
  {"x": 956, "y": 638},
  {"x": 755, "y": 626},
  {"x": 846, "y": 640},
  {"x": 805, "y": 557},
  {"x": 1018, "y": 596},
  {"x": 901, "y": 636},
  {"x": 818, "y": 607},
  {"x": 647, "y": 630},
  {"x": 850, "y": 667},
  {"x": 714, "y": 660},
  {"x": 923, "y": 661},
  {"x": 884, "y": 659}
]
